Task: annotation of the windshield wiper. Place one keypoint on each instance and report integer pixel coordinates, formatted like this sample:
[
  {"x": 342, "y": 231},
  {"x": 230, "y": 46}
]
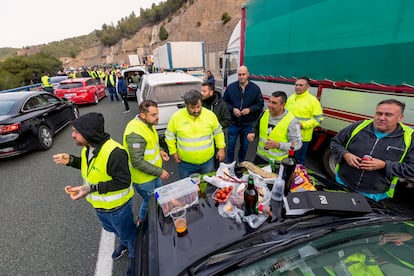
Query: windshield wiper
[
  {"x": 324, "y": 221},
  {"x": 241, "y": 252},
  {"x": 319, "y": 248}
]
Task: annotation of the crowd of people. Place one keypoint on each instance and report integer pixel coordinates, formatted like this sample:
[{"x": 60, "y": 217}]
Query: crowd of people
[{"x": 371, "y": 154}]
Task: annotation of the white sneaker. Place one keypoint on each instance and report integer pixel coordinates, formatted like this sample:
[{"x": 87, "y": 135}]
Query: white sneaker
[{"x": 126, "y": 111}]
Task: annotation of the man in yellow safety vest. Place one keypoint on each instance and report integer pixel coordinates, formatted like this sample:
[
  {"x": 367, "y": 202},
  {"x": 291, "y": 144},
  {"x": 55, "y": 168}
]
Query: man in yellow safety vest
[
  {"x": 145, "y": 156},
  {"x": 106, "y": 180},
  {"x": 192, "y": 135},
  {"x": 277, "y": 129}
]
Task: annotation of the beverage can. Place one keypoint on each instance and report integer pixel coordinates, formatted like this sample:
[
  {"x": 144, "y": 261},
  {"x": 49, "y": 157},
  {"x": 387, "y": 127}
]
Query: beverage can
[
  {"x": 272, "y": 164},
  {"x": 366, "y": 157}
]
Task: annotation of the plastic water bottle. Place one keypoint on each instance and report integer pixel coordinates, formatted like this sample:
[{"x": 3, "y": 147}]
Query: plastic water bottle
[
  {"x": 277, "y": 190},
  {"x": 278, "y": 186}
]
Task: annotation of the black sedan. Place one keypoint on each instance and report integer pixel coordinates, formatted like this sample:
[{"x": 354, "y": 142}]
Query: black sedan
[
  {"x": 339, "y": 241},
  {"x": 29, "y": 120}
]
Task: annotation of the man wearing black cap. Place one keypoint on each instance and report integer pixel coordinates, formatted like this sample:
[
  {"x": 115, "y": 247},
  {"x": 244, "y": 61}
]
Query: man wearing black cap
[{"x": 106, "y": 177}]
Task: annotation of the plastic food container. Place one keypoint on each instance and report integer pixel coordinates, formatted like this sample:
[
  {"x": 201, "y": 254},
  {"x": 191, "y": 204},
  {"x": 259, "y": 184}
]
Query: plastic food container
[
  {"x": 182, "y": 193},
  {"x": 228, "y": 194}
]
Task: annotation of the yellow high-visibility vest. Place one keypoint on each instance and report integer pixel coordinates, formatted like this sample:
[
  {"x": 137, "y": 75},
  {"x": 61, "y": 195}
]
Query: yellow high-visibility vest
[{"x": 96, "y": 173}]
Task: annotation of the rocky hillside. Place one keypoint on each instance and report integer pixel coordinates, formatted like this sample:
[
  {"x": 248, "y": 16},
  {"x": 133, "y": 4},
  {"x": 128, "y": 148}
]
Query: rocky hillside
[{"x": 199, "y": 21}]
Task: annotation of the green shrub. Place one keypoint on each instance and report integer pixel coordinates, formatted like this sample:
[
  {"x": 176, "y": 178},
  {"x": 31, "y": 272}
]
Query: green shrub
[
  {"x": 225, "y": 18},
  {"x": 163, "y": 35}
]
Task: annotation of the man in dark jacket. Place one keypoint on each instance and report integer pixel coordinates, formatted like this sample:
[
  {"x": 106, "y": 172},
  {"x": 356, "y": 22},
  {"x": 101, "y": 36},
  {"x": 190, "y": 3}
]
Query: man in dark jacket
[
  {"x": 372, "y": 154},
  {"x": 245, "y": 102},
  {"x": 123, "y": 91},
  {"x": 213, "y": 101},
  {"x": 106, "y": 177}
]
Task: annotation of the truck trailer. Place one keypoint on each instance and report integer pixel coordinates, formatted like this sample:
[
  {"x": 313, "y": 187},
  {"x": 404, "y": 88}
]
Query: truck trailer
[
  {"x": 185, "y": 56},
  {"x": 356, "y": 54}
]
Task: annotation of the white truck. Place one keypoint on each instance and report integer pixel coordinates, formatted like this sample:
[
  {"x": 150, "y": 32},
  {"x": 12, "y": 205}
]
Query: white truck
[
  {"x": 356, "y": 54},
  {"x": 185, "y": 56}
]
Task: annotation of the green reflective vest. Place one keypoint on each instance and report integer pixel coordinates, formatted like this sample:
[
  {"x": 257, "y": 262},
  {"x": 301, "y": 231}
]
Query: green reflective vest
[
  {"x": 96, "y": 173},
  {"x": 279, "y": 134},
  {"x": 46, "y": 81},
  {"x": 194, "y": 137},
  {"x": 111, "y": 79},
  {"x": 152, "y": 149},
  {"x": 407, "y": 141}
]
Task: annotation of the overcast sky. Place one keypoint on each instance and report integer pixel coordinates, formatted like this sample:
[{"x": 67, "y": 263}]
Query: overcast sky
[{"x": 33, "y": 22}]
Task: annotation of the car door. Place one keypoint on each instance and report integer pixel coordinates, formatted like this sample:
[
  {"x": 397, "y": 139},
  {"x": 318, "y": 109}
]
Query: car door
[
  {"x": 58, "y": 113},
  {"x": 97, "y": 87}
]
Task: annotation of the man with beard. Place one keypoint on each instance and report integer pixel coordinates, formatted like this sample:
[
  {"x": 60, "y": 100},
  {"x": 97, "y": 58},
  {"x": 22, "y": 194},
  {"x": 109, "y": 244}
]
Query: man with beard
[
  {"x": 192, "y": 135},
  {"x": 145, "y": 156},
  {"x": 106, "y": 180},
  {"x": 373, "y": 154},
  {"x": 277, "y": 129},
  {"x": 213, "y": 101}
]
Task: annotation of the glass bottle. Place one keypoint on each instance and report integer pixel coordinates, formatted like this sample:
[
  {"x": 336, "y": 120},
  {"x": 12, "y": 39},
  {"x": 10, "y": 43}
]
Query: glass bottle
[
  {"x": 289, "y": 165},
  {"x": 250, "y": 198}
]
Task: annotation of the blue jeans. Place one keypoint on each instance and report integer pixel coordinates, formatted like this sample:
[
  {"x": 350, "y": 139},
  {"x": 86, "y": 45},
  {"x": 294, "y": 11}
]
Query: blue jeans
[
  {"x": 300, "y": 155},
  {"x": 234, "y": 133},
  {"x": 121, "y": 222},
  {"x": 112, "y": 93},
  {"x": 145, "y": 190},
  {"x": 185, "y": 169}
]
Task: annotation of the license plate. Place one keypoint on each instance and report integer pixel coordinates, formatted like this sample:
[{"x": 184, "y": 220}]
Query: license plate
[{"x": 70, "y": 95}]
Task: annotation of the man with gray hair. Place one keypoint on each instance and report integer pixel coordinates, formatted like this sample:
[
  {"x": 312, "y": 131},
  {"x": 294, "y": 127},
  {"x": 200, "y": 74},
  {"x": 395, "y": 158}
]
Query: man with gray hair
[
  {"x": 191, "y": 136},
  {"x": 373, "y": 154}
]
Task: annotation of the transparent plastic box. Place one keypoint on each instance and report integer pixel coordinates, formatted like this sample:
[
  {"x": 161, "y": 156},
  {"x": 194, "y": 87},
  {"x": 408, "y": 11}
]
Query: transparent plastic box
[{"x": 182, "y": 193}]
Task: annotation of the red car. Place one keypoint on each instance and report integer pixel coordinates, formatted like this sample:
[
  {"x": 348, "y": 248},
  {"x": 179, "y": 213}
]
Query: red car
[{"x": 81, "y": 90}]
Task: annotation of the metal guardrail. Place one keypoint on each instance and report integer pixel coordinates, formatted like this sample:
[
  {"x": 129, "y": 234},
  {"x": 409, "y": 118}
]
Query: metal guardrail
[{"x": 22, "y": 88}]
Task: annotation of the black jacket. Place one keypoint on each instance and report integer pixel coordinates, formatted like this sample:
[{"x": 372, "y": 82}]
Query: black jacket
[
  {"x": 389, "y": 149},
  {"x": 219, "y": 107},
  {"x": 251, "y": 98}
]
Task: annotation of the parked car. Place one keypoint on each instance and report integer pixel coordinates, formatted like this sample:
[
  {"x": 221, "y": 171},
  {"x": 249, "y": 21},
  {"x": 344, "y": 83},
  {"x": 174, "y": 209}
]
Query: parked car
[
  {"x": 29, "y": 120},
  {"x": 81, "y": 90},
  {"x": 55, "y": 80},
  {"x": 133, "y": 76},
  {"x": 375, "y": 242},
  {"x": 167, "y": 90}
]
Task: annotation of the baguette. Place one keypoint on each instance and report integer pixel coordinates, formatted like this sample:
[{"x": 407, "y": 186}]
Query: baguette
[{"x": 255, "y": 169}]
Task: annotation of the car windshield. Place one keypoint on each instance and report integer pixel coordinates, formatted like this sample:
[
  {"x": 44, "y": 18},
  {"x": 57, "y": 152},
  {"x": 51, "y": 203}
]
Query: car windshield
[
  {"x": 57, "y": 79},
  {"x": 369, "y": 250},
  {"x": 6, "y": 107},
  {"x": 172, "y": 92},
  {"x": 70, "y": 85}
]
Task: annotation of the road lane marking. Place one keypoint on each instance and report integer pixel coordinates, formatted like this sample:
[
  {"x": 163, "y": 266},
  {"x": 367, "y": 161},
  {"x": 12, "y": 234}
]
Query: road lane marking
[{"x": 104, "y": 264}]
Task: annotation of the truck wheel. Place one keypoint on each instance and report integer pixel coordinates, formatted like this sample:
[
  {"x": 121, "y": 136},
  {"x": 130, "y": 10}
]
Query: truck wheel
[
  {"x": 329, "y": 163},
  {"x": 45, "y": 137}
]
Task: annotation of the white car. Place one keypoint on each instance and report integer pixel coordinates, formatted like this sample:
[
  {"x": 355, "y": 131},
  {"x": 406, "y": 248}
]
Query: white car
[
  {"x": 167, "y": 90},
  {"x": 133, "y": 76}
]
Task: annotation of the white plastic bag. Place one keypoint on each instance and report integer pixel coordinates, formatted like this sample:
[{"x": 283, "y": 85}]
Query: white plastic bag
[
  {"x": 255, "y": 221},
  {"x": 227, "y": 210}
]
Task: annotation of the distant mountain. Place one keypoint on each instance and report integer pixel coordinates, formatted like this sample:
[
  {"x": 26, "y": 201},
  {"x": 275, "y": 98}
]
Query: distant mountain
[{"x": 198, "y": 20}]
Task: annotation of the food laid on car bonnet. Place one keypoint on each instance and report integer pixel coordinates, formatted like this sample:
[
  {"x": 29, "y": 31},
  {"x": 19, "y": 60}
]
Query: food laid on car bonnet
[
  {"x": 182, "y": 193},
  {"x": 221, "y": 195},
  {"x": 257, "y": 170},
  {"x": 301, "y": 180}
]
